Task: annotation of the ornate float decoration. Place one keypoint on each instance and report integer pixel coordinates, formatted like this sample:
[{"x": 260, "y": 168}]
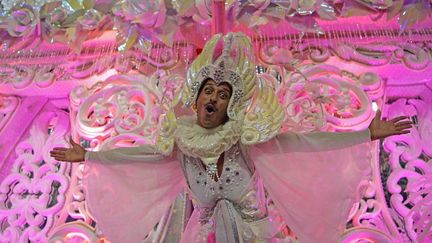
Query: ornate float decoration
[{"x": 109, "y": 73}]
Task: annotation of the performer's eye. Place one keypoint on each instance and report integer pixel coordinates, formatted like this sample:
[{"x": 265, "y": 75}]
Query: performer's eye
[
  {"x": 208, "y": 90},
  {"x": 223, "y": 95}
]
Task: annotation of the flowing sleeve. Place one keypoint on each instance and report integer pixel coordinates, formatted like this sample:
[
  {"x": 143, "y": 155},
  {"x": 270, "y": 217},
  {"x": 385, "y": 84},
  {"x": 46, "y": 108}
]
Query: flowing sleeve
[
  {"x": 129, "y": 189},
  {"x": 316, "y": 141},
  {"x": 314, "y": 179}
]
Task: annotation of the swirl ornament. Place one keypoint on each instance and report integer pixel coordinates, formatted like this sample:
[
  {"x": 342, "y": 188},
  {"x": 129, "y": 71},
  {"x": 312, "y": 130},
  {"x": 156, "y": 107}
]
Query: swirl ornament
[
  {"x": 35, "y": 191},
  {"x": 323, "y": 97},
  {"x": 22, "y": 21},
  {"x": 409, "y": 182},
  {"x": 124, "y": 110}
]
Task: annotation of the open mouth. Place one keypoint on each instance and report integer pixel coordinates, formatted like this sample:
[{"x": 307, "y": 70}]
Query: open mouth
[{"x": 210, "y": 108}]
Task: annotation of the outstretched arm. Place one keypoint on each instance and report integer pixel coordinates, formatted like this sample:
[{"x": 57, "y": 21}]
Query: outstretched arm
[
  {"x": 382, "y": 129},
  {"x": 75, "y": 154},
  {"x": 145, "y": 153},
  {"x": 322, "y": 141}
]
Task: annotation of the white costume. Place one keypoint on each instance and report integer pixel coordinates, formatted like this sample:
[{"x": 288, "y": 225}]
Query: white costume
[{"x": 312, "y": 179}]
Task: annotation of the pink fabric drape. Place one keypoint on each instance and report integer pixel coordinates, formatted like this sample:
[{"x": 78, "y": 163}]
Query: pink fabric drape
[
  {"x": 129, "y": 189},
  {"x": 128, "y": 198},
  {"x": 313, "y": 191}
]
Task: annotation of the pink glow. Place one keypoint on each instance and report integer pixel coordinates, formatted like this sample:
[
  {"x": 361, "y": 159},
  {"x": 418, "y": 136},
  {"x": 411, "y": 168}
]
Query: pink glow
[{"x": 109, "y": 87}]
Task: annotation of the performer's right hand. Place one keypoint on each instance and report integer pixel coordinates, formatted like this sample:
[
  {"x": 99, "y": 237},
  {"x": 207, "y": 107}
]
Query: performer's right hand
[{"x": 74, "y": 154}]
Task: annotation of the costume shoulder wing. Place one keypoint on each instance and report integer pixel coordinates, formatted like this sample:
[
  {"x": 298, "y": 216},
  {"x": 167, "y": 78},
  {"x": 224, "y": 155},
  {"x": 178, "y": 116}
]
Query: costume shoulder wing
[{"x": 264, "y": 117}]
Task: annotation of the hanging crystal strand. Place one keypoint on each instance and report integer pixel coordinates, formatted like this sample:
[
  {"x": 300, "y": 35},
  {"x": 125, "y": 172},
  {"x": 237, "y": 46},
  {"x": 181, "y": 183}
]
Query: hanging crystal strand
[
  {"x": 177, "y": 53},
  {"x": 332, "y": 41},
  {"x": 84, "y": 54},
  {"x": 296, "y": 43},
  {"x": 285, "y": 39},
  {"x": 158, "y": 55},
  {"x": 288, "y": 41},
  {"x": 324, "y": 39},
  {"x": 315, "y": 41},
  {"x": 308, "y": 43},
  {"x": 406, "y": 36},
  {"x": 277, "y": 37},
  {"x": 366, "y": 35},
  {"x": 100, "y": 58},
  {"x": 341, "y": 35},
  {"x": 345, "y": 34},
  {"x": 426, "y": 35},
  {"x": 359, "y": 35},
  {"x": 91, "y": 56},
  {"x": 271, "y": 38},
  {"x": 380, "y": 34},
  {"x": 386, "y": 34},
  {"x": 267, "y": 40},
  {"x": 65, "y": 58},
  {"x": 112, "y": 52},
  {"x": 336, "y": 35},
  {"x": 409, "y": 35},
  {"x": 377, "y": 33},
  {"x": 106, "y": 62},
  {"x": 348, "y": 39},
  {"x": 184, "y": 47},
  {"x": 134, "y": 58},
  {"x": 389, "y": 34},
  {"x": 104, "y": 57},
  {"x": 429, "y": 34},
  {"x": 352, "y": 37},
  {"x": 420, "y": 35},
  {"x": 414, "y": 35}
]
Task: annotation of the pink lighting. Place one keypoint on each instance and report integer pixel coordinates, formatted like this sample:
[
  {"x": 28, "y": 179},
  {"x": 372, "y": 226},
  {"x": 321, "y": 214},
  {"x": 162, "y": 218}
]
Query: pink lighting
[{"x": 111, "y": 73}]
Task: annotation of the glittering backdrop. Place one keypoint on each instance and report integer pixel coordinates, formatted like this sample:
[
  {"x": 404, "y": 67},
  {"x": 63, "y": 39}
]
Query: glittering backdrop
[{"x": 106, "y": 72}]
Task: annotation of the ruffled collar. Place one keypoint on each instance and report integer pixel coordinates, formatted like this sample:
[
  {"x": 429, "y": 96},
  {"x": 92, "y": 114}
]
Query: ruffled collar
[{"x": 206, "y": 144}]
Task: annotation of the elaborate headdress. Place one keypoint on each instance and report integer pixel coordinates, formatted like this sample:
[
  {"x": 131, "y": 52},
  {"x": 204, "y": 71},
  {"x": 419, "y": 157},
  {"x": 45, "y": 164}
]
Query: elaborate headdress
[{"x": 230, "y": 59}]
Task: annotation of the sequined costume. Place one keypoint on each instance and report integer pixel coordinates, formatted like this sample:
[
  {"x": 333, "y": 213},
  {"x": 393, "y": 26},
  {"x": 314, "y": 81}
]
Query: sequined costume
[{"x": 311, "y": 179}]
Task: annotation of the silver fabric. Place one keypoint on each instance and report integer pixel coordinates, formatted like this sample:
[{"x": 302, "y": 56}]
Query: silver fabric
[{"x": 234, "y": 207}]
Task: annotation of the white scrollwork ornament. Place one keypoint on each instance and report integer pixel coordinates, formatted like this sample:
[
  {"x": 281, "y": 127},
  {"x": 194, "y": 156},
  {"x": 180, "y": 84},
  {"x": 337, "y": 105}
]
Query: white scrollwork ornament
[
  {"x": 409, "y": 182},
  {"x": 124, "y": 109},
  {"x": 35, "y": 191},
  {"x": 316, "y": 97}
]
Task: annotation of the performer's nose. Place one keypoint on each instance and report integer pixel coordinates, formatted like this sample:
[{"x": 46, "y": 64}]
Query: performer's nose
[{"x": 213, "y": 98}]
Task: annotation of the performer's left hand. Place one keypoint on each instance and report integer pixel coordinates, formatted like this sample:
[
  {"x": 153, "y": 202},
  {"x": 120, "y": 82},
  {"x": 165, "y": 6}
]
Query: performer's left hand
[{"x": 382, "y": 129}]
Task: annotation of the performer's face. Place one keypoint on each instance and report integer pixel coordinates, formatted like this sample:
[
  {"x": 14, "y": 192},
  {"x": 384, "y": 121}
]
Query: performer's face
[{"x": 212, "y": 104}]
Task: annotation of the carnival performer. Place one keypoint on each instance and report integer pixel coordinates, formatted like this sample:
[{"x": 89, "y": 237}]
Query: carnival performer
[{"x": 232, "y": 160}]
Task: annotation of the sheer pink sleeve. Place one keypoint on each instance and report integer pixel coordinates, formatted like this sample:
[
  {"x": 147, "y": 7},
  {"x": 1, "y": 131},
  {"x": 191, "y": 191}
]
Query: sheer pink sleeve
[
  {"x": 129, "y": 189},
  {"x": 316, "y": 141},
  {"x": 314, "y": 191}
]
